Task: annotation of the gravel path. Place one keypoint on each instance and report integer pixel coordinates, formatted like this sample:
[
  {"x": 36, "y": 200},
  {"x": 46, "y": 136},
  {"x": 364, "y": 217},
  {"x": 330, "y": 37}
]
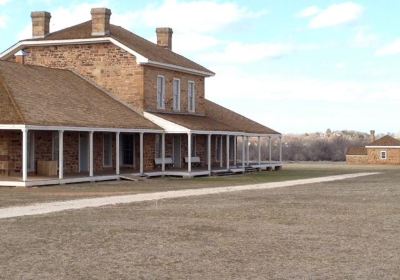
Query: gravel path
[{"x": 51, "y": 207}]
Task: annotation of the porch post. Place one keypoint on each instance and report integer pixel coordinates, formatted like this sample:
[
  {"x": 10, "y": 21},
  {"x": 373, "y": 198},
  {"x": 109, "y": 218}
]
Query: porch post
[
  {"x": 248, "y": 150},
  {"x": 24, "y": 154},
  {"x": 221, "y": 146},
  {"x": 270, "y": 149},
  {"x": 117, "y": 167},
  {"x": 141, "y": 153},
  {"x": 280, "y": 148},
  {"x": 91, "y": 153},
  {"x": 189, "y": 162},
  {"x": 227, "y": 152},
  {"x": 163, "y": 152},
  {"x": 259, "y": 150},
  {"x": 61, "y": 154},
  {"x": 243, "y": 152},
  {"x": 209, "y": 152},
  {"x": 235, "y": 150}
]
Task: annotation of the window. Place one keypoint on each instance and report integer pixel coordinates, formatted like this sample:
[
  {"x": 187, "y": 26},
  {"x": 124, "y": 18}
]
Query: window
[
  {"x": 193, "y": 146},
  {"x": 55, "y": 145},
  {"x": 177, "y": 94},
  {"x": 191, "y": 97},
  {"x": 107, "y": 149},
  {"x": 158, "y": 147},
  {"x": 160, "y": 92},
  {"x": 383, "y": 155},
  {"x": 127, "y": 149}
]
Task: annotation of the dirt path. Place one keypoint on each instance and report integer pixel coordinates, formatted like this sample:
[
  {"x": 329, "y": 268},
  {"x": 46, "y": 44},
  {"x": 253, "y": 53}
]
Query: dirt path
[{"x": 51, "y": 207}]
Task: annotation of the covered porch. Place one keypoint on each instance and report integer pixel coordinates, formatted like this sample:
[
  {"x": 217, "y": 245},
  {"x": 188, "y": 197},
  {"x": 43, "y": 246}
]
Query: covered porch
[{"x": 39, "y": 155}]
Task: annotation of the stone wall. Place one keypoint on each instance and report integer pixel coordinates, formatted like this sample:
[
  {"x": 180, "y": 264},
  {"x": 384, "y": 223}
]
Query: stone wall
[
  {"x": 393, "y": 156},
  {"x": 150, "y": 90},
  {"x": 356, "y": 159},
  {"x": 110, "y": 67}
]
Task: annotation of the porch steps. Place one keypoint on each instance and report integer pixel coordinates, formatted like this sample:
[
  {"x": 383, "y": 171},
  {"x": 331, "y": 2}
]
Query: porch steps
[
  {"x": 249, "y": 169},
  {"x": 134, "y": 178}
]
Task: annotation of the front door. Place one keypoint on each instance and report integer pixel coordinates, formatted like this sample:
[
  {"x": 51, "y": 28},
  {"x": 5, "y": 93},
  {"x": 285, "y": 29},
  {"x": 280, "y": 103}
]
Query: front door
[
  {"x": 177, "y": 151},
  {"x": 83, "y": 152},
  {"x": 127, "y": 150}
]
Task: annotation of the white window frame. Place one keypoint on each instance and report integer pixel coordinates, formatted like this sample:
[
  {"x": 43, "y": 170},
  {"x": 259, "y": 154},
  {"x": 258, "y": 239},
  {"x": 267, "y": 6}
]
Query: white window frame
[
  {"x": 383, "y": 155},
  {"x": 191, "y": 97},
  {"x": 176, "y": 96},
  {"x": 161, "y": 93},
  {"x": 110, "y": 135}
]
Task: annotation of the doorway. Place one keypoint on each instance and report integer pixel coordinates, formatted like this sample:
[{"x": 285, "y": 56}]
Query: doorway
[
  {"x": 83, "y": 152},
  {"x": 177, "y": 151}
]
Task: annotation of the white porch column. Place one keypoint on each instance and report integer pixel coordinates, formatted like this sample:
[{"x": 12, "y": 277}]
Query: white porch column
[
  {"x": 117, "y": 167},
  {"x": 209, "y": 152},
  {"x": 235, "y": 150},
  {"x": 270, "y": 149},
  {"x": 221, "y": 146},
  {"x": 227, "y": 152},
  {"x": 243, "y": 152},
  {"x": 61, "y": 154},
  {"x": 91, "y": 154},
  {"x": 163, "y": 152},
  {"x": 189, "y": 162},
  {"x": 280, "y": 148},
  {"x": 259, "y": 150},
  {"x": 24, "y": 154},
  {"x": 141, "y": 153},
  {"x": 248, "y": 150}
]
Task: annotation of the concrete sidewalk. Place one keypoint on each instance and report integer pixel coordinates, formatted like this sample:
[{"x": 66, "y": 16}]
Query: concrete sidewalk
[{"x": 52, "y": 207}]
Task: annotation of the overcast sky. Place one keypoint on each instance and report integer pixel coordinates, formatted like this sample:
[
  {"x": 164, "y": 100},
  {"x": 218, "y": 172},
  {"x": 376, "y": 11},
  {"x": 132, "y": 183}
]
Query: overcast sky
[{"x": 294, "y": 65}]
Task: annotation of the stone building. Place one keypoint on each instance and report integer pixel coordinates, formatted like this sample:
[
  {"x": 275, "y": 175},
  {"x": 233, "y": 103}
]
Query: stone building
[
  {"x": 96, "y": 102},
  {"x": 385, "y": 150}
]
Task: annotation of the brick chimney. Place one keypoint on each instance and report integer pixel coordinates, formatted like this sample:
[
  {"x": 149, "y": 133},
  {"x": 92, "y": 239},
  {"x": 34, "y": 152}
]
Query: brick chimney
[
  {"x": 40, "y": 24},
  {"x": 100, "y": 21},
  {"x": 164, "y": 37},
  {"x": 372, "y": 132}
]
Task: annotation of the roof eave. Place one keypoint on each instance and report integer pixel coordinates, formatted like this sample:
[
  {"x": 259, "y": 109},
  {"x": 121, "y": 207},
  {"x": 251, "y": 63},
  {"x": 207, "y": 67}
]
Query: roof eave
[{"x": 140, "y": 59}]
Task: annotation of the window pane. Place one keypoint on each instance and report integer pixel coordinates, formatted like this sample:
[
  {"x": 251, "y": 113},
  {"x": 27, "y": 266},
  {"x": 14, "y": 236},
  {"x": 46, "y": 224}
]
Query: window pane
[{"x": 160, "y": 92}]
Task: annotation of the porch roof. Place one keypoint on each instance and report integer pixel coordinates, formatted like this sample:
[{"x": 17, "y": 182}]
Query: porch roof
[
  {"x": 34, "y": 95},
  {"x": 216, "y": 118}
]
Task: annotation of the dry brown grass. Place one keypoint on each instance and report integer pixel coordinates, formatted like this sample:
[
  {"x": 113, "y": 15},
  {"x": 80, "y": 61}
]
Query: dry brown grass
[
  {"x": 22, "y": 196},
  {"x": 339, "y": 230}
]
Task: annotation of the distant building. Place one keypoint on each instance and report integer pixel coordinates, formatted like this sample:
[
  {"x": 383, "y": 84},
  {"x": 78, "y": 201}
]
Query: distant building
[{"x": 385, "y": 150}]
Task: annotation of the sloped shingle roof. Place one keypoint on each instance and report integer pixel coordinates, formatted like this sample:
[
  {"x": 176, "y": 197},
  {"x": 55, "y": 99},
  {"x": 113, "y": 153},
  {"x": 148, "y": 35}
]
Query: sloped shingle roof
[
  {"x": 142, "y": 46},
  {"x": 217, "y": 118},
  {"x": 37, "y": 95},
  {"x": 356, "y": 151},
  {"x": 386, "y": 141}
]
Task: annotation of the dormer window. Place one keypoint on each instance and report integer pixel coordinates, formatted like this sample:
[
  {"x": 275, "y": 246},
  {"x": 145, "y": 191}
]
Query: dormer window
[
  {"x": 191, "y": 97},
  {"x": 160, "y": 92},
  {"x": 177, "y": 94}
]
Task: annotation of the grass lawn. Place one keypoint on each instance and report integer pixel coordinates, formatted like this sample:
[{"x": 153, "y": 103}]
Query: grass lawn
[
  {"x": 23, "y": 196},
  {"x": 338, "y": 230}
]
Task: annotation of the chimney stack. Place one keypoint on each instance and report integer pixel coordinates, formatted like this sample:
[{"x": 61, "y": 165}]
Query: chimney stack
[
  {"x": 100, "y": 21},
  {"x": 372, "y": 135},
  {"x": 40, "y": 24},
  {"x": 164, "y": 37}
]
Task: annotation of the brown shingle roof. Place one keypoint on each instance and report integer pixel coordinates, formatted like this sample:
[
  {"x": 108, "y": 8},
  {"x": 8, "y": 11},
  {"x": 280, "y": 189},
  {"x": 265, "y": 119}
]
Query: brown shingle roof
[
  {"x": 144, "y": 47},
  {"x": 217, "y": 118},
  {"x": 239, "y": 122},
  {"x": 50, "y": 97},
  {"x": 386, "y": 141},
  {"x": 356, "y": 151}
]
